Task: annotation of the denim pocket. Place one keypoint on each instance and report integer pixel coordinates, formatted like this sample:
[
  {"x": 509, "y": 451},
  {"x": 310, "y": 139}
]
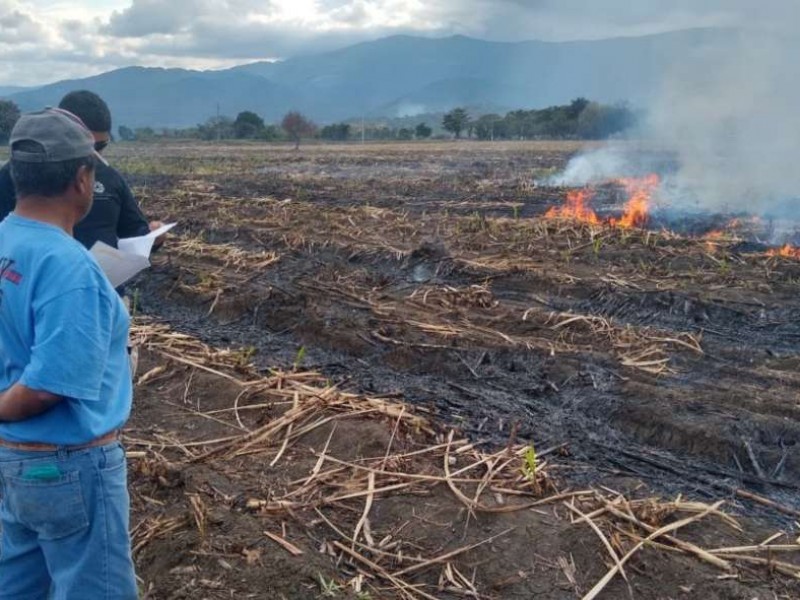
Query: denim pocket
[
  {"x": 53, "y": 508},
  {"x": 113, "y": 458}
]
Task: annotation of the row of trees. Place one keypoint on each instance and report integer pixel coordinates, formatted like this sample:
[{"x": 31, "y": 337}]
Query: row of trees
[
  {"x": 342, "y": 132},
  {"x": 581, "y": 119},
  {"x": 294, "y": 126},
  {"x": 247, "y": 126}
]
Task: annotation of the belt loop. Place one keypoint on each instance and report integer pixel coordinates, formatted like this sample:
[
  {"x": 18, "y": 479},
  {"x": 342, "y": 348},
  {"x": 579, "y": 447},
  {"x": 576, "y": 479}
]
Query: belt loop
[{"x": 62, "y": 452}]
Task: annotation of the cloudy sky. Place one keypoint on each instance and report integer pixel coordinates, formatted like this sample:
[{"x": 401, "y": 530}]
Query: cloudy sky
[{"x": 47, "y": 40}]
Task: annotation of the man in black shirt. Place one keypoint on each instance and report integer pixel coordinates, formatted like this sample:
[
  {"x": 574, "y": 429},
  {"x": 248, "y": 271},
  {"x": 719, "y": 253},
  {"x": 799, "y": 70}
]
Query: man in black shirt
[{"x": 115, "y": 213}]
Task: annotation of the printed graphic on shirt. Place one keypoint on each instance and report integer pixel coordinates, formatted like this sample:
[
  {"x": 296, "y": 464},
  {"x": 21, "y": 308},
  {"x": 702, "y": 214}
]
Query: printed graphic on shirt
[
  {"x": 99, "y": 188},
  {"x": 8, "y": 274}
]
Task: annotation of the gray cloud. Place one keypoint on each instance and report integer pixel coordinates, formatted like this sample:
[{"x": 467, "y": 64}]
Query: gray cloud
[
  {"x": 17, "y": 27},
  {"x": 149, "y": 17},
  {"x": 210, "y": 33},
  {"x": 252, "y": 29}
]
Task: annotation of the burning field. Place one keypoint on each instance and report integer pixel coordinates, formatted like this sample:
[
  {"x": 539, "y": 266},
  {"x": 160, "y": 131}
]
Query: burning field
[{"x": 413, "y": 372}]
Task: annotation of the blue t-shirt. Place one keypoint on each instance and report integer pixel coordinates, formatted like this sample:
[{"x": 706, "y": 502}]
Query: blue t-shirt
[{"x": 64, "y": 330}]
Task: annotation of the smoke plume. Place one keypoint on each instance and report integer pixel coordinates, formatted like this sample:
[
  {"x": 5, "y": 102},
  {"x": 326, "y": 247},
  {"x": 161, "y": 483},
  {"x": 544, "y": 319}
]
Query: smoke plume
[{"x": 728, "y": 115}]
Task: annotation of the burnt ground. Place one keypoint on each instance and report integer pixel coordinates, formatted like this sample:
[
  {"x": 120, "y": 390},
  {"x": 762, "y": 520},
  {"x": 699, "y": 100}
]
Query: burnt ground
[{"x": 426, "y": 273}]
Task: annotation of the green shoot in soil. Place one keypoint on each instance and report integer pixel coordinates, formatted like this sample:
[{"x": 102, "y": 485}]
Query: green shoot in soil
[
  {"x": 529, "y": 464},
  {"x": 329, "y": 588},
  {"x": 301, "y": 354}
]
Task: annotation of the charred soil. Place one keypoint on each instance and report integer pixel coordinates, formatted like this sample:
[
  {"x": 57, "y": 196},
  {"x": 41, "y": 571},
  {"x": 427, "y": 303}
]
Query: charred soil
[{"x": 647, "y": 364}]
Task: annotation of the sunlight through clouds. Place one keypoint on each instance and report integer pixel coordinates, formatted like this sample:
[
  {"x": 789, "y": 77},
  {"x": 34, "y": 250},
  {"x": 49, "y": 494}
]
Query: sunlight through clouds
[
  {"x": 302, "y": 11},
  {"x": 46, "y": 40}
]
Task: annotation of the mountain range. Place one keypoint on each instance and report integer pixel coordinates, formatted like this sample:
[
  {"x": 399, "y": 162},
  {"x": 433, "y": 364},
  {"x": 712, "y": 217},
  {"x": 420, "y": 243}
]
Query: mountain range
[{"x": 390, "y": 77}]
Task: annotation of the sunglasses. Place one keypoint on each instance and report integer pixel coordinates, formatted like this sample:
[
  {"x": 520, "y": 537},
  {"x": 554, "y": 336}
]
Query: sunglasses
[{"x": 100, "y": 146}]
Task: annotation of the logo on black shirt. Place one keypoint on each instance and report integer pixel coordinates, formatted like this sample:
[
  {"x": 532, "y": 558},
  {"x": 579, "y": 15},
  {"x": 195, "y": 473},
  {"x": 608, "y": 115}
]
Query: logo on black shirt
[{"x": 99, "y": 188}]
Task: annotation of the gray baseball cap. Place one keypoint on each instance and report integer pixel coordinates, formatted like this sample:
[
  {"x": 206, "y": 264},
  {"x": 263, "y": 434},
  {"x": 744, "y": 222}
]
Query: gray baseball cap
[{"x": 62, "y": 135}]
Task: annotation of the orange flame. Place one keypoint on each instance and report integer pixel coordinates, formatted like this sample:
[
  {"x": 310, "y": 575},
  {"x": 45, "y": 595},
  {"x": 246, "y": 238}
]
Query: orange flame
[
  {"x": 734, "y": 230},
  {"x": 640, "y": 191},
  {"x": 787, "y": 251},
  {"x": 576, "y": 208},
  {"x": 636, "y": 213}
]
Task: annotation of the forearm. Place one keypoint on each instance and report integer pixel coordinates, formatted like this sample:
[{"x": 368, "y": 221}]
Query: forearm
[{"x": 19, "y": 402}]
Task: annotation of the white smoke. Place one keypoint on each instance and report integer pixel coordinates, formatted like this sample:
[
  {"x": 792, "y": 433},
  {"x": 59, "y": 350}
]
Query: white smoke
[
  {"x": 733, "y": 122},
  {"x": 729, "y": 114},
  {"x": 594, "y": 166}
]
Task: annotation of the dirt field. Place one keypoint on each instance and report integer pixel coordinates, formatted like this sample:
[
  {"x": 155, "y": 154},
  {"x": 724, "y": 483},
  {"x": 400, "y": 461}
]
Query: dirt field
[{"x": 324, "y": 321}]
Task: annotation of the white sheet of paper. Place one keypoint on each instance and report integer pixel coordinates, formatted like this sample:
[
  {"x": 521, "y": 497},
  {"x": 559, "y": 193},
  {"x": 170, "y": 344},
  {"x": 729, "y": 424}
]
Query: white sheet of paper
[
  {"x": 143, "y": 245},
  {"x": 118, "y": 266}
]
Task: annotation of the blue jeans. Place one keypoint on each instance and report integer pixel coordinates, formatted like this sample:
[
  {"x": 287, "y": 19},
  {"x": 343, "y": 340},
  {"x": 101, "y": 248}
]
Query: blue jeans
[{"x": 64, "y": 525}]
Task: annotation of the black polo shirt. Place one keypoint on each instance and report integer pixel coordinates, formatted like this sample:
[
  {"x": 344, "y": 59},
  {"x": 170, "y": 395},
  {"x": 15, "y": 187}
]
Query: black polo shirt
[{"x": 114, "y": 214}]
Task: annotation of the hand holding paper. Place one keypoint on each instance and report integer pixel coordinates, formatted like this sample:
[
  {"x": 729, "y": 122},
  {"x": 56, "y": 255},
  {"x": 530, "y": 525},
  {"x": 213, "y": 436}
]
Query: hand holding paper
[
  {"x": 132, "y": 257},
  {"x": 143, "y": 244}
]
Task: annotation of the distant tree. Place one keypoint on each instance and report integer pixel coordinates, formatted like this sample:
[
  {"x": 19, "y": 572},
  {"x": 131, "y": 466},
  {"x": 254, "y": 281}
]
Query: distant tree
[
  {"x": 456, "y": 121},
  {"x": 271, "y": 133},
  {"x": 144, "y": 133},
  {"x": 248, "y": 125},
  {"x": 191, "y": 133},
  {"x": 339, "y": 132},
  {"x": 379, "y": 132},
  {"x": 490, "y": 127},
  {"x": 9, "y": 113},
  {"x": 520, "y": 124},
  {"x": 554, "y": 122},
  {"x": 598, "y": 121},
  {"x": 423, "y": 132},
  {"x": 405, "y": 134},
  {"x": 297, "y": 126},
  {"x": 126, "y": 134},
  {"x": 576, "y": 107},
  {"x": 591, "y": 122},
  {"x": 216, "y": 128}
]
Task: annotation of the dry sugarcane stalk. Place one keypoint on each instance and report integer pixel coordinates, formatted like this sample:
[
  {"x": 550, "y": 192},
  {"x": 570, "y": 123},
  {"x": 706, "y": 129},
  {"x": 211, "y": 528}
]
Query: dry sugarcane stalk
[
  {"x": 406, "y": 589},
  {"x": 685, "y": 546},
  {"x": 285, "y": 544},
  {"x": 595, "y": 591},
  {"x": 367, "y": 506},
  {"x": 789, "y": 569},
  {"x": 600, "y": 534},
  {"x": 449, "y": 555},
  {"x": 757, "y": 549},
  {"x": 398, "y": 474},
  {"x": 367, "y": 547}
]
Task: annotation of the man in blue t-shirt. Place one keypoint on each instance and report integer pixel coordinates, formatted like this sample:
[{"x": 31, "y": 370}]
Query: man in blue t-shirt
[{"x": 65, "y": 384}]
